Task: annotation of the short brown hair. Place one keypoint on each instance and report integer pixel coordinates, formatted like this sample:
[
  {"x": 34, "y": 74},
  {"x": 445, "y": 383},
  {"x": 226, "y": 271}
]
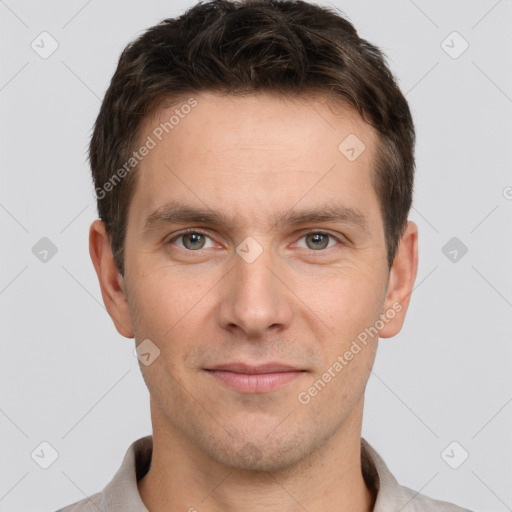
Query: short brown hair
[{"x": 287, "y": 47}]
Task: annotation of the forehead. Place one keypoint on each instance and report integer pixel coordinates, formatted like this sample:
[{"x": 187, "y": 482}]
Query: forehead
[{"x": 254, "y": 153}]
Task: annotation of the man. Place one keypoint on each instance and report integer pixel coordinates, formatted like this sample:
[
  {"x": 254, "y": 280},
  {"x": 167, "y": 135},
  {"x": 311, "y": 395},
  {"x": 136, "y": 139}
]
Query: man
[{"x": 253, "y": 165}]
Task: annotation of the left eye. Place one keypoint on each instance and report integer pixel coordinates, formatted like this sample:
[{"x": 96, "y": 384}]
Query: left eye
[
  {"x": 193, "y": 240},
  {"x": 318, "y": 240}
]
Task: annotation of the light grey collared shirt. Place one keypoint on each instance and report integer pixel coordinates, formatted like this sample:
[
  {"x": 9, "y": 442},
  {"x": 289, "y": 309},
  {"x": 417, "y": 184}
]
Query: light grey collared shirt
[{"x": 122, "y": 495}]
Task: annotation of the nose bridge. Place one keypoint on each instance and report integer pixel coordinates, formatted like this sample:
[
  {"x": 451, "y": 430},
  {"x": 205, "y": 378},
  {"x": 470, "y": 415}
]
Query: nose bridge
[
  {"x": 255, "y": 298},
  {"x": 254, "y": 280}
]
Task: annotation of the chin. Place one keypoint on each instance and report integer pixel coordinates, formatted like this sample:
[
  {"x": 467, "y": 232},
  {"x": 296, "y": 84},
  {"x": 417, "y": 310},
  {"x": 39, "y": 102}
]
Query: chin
[
  {"x": 258, "y": 451},
  {"x": 251, "y": 457}
]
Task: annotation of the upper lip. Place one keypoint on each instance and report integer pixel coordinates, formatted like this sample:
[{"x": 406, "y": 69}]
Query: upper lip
[{"x": 261, "y": 368}]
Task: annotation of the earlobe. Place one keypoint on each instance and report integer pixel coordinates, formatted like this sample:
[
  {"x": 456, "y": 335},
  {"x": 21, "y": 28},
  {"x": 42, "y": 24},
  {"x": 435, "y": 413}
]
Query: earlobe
[
  {"x": 111, "y": 282},
  {"x": 401, "y": 282}
]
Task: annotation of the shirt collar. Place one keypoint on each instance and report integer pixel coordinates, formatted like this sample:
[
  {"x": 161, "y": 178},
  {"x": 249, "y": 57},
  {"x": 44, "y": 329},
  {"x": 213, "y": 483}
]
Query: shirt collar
[{"x": 122, "y": 493}]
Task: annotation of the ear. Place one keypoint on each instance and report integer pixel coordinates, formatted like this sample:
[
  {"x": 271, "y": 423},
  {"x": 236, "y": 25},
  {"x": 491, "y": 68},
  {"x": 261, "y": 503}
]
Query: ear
[
  {"x": 401, "y": 282},
  {"x": 111, "y": 281}
]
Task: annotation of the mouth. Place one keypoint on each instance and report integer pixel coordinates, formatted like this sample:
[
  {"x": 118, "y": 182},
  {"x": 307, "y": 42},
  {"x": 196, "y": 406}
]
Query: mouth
[{"x": 246, "y": 378}]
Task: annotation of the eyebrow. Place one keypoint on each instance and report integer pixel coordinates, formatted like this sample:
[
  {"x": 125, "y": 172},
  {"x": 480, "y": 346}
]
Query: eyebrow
[{"x": 178, "y": 213}]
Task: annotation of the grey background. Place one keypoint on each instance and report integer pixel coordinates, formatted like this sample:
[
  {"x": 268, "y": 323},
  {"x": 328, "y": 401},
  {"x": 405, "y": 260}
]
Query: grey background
[{"x": 68, "y": 378}]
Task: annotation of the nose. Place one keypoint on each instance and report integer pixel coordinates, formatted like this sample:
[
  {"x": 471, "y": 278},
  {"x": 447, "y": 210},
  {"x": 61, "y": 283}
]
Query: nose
[{"x": 254, "y": 298}]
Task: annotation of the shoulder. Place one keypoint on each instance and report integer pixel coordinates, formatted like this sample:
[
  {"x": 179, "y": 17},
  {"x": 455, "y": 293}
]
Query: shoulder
[
  {"x": 391, "y": 496},
  {"x": 86, "y": 505},
  {"x": 420, "y": 503}
]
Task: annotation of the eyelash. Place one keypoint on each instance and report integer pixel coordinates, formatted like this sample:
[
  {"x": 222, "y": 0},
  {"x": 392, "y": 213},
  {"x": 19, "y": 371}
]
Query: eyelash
[{"x": 200, "y": 232}]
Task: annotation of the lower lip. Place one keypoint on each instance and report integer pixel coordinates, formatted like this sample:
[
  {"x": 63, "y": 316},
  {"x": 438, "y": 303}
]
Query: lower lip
[{"x": 254, "y": 382}]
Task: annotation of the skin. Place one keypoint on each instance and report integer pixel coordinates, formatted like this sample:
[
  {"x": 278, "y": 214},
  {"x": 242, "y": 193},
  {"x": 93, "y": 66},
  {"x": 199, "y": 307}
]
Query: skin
[{"x": 216, "y": 448}]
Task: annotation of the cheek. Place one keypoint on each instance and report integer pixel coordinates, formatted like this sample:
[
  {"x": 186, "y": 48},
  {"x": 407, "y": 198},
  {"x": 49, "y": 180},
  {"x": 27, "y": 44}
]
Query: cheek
[
  {"x": 172, "y": 310},
  {"x": 163, "y": 297},
  {"x": 353, "y": 306},
  {"x": 346, "y": 301}
]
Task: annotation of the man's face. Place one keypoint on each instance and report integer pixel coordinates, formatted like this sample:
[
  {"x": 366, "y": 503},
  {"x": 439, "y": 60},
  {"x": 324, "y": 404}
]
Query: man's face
[{"x": 256, "y": 290}]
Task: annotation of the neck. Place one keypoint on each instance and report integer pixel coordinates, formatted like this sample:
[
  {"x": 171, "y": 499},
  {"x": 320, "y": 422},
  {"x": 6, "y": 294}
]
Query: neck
[{"x": 181, "y": 477}]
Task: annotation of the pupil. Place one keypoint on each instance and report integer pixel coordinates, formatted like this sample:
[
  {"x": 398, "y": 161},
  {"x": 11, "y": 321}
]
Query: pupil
[
  {"x": 195, "y": 238},
  {"x": 319, "y": 240}
]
